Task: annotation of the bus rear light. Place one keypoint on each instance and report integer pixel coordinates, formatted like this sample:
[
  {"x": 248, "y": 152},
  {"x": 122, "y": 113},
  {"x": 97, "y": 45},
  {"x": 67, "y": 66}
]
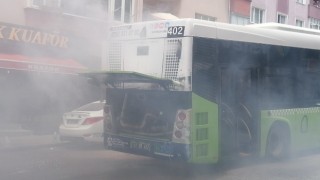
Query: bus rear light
[
  {"x": 182, "y": 116},
  {"x": 181, "y": 132},
  {"x": 179, "y": 124},
  {"x": 178, "y": 134}
]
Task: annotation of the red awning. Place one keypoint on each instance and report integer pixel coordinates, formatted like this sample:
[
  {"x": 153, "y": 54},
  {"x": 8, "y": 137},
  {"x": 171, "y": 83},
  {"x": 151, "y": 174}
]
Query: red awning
[{"x": 40, "y": 64}]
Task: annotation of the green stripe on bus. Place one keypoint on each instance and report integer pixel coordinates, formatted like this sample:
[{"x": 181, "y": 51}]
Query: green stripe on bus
[
  {"x": 205, "y": 131},
  {"x": 304, "y": 125}
]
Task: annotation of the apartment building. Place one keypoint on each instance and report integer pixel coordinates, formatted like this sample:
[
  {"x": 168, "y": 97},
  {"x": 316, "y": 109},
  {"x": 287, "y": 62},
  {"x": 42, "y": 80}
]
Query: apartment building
[
  {"x": 302, "y": 13},
  {"x": 212, "y": 10},
  {"x": 293, "y": 12}
]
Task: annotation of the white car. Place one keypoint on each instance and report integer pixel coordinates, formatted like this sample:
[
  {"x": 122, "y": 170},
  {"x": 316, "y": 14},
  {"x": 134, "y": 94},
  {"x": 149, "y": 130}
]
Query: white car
[{"x": 85, "y": 122}]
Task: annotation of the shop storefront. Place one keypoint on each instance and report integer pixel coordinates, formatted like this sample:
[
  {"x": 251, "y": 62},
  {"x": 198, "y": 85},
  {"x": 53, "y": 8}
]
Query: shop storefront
[{"x": 38, "y": 76}]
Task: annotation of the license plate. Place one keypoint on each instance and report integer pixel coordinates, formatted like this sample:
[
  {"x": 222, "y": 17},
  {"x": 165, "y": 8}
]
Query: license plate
[
  {"x": 137, "y": 145},
  {"x": 163, "y": 149},
  {"x": 72, "y": 121}
]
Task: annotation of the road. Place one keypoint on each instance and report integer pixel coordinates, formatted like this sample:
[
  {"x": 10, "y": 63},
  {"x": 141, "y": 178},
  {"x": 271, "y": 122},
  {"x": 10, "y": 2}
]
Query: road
[{"x": 89, "y": 161}]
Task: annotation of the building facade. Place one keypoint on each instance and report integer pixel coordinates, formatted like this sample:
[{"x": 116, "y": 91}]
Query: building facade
[
  {"x": 302, "y": 13},
  {"x": 211, "y": 10}
]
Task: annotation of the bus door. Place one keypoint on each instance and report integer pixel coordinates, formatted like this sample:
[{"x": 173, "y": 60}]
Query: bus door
[
  {"x": 236, "y": 113},
  {"x": 228, "y": 122}
]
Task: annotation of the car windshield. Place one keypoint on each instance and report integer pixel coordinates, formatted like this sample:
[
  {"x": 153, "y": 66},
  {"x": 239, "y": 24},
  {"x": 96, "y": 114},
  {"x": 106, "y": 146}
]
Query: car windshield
[{"x": 92, "y": 107}]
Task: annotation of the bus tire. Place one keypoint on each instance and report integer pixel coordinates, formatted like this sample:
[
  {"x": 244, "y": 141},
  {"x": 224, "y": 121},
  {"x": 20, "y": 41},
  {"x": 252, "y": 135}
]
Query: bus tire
[{"x": 278, "y": 142}]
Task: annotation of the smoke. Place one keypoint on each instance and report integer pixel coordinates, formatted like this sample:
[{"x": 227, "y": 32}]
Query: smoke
[
  {"x": 37, "y": 99},
  {"x": 150, "y": 7},
  {"x": 92, "y": 9}
]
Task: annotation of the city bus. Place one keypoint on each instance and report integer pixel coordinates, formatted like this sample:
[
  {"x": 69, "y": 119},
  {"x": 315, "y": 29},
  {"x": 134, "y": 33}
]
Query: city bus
[{"x": 198, "y": 92}]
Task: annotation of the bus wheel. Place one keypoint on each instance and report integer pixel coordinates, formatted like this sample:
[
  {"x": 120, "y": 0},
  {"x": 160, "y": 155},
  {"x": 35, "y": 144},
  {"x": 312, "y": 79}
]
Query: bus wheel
[{"x": 278, "y": 143}]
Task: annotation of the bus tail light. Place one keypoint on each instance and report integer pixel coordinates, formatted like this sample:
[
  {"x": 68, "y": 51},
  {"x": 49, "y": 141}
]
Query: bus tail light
[
  {"x": 178, "y": 134},
  {"x": 181, "y": 131},
  {"x": 182, "y": 115}
]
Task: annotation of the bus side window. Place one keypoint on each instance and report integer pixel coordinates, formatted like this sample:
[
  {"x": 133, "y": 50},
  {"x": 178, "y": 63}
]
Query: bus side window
[{"x": 277, "y": 88}]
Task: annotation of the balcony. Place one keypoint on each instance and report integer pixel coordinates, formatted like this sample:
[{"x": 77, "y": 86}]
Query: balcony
[
  {"x": 314, "y": 11},
  {"x": 240, "y": 7}
]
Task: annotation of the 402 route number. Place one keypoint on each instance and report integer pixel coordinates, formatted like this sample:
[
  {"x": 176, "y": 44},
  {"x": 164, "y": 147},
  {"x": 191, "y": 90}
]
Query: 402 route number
[{"x": 175, "y": 31}]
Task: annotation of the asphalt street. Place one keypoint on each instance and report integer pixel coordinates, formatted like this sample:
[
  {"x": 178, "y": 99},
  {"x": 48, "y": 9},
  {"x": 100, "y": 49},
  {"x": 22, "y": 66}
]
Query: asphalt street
[{"x": 89, "y": 161}]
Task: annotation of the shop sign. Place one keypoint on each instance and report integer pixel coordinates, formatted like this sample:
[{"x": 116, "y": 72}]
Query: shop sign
[{"x": 22, "y": 34}]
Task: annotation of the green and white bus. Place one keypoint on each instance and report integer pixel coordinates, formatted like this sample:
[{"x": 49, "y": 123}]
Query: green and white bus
[{"x": 200, "y": 91}]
